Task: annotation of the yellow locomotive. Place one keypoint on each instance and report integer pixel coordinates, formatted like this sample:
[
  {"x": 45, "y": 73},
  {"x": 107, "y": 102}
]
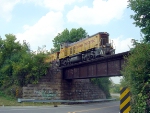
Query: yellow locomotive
[
  {"x": 52, "y": 57},
  {"x": 86, "y": 49}
]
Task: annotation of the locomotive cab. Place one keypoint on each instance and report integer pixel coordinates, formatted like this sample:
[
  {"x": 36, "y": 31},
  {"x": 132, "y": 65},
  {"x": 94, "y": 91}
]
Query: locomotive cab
[
  {"x": 107, "y": 47},
  {"x": 104, "y": 39}
]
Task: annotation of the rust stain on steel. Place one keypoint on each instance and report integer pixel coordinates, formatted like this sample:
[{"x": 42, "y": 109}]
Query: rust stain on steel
[
  {"x": 92, "y": 70},
  {"x": 102, "y": 69},
  {"x": 83, "y": 71},
  {"x": 114, "y": 67},
  {"x": 76, "y": 73},
  {"x": 110, "y": 66}
]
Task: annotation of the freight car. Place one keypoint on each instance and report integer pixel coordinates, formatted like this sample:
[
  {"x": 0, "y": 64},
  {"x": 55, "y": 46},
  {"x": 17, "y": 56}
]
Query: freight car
[{"x": 86, "y": 49}]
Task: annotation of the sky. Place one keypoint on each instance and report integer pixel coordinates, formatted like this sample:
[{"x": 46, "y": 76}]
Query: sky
[{"x": 39, "y": 21}]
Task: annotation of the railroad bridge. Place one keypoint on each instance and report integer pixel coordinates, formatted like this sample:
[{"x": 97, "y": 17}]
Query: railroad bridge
[
  {"x": 73, "y": 83},
  {"x": 107, "y": 66}
]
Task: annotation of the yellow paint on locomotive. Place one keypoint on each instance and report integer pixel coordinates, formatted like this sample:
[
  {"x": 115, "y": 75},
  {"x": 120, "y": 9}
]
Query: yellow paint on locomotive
[
  {"x": 69, "y": 51},
  {"x": 63, "y": 53},
  {"x": 91, "y": 42},
  {"x": 81, "y": 46},
  {"x": 52, "y": 57},
  {"x": 78, "y": 47}
]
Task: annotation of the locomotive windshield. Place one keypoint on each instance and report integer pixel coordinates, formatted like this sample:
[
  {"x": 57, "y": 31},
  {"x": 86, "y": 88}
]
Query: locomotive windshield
[{"x": 104, "y": 39}]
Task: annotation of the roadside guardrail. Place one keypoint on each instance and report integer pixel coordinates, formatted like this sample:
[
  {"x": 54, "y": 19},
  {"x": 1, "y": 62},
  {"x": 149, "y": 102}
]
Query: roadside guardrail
[{"x": 64, "y": 101}]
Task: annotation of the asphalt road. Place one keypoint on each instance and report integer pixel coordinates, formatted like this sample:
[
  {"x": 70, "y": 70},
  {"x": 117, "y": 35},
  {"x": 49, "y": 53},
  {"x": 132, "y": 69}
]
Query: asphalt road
[{"x": 102, "y": 107}]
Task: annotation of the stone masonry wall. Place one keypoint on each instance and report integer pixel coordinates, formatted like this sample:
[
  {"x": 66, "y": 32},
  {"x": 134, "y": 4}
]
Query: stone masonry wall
[
  {"x": 49, "y": 87},
  {"x": 53, "y": 86},
  {"x": 81, "y": 89}
]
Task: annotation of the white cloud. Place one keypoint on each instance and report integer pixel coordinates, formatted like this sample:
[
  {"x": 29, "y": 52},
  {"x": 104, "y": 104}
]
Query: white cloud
[
  {"x": 6, "y": 6},
  {"x": 56, "y": 5},
  {"x": 26, "y": 27},
  {"x": 122, "y": 44},
  {"x": 102, "y": 12},
  {"x": 43, "y": 32}
]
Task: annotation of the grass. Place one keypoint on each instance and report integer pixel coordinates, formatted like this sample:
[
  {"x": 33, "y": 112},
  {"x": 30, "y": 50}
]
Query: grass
[{"x": 6, "y": 100}]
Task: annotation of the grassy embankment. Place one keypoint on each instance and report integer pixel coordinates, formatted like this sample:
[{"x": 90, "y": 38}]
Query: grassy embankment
[{"x": 6, "y": 100}]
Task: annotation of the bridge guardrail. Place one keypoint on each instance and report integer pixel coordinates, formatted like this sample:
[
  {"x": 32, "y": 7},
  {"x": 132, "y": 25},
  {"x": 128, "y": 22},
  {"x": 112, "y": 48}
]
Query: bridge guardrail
[{"x": 64, "y": 101}]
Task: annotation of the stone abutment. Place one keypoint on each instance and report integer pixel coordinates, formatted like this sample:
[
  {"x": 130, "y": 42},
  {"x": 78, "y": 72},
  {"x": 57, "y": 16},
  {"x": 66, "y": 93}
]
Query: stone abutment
[{"x": 53, "y": 86}]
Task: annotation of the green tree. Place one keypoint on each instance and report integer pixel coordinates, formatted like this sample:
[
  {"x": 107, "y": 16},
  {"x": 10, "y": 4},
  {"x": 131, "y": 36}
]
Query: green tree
[
  {"x": 66, "y": 36},
  {"x": 104, "y": 84},
  {"x": 8, "y": 56},
  {"x": 115, "y": 88},
  {"x": 18, "y": 64},
  {"x": 38, "y": 66},
  {"x": 141, "y": 16},
  {"x": 122, "y": 82},
  {"x": 136, "y": 74}
]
